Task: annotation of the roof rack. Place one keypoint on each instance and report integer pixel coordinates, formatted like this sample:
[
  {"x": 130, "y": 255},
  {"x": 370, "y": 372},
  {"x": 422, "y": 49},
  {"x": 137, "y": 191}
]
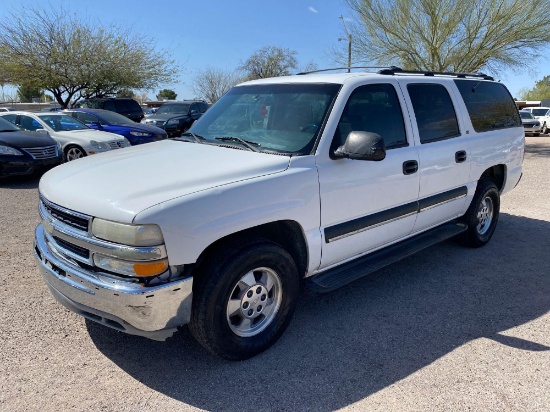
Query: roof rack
[
  {"x": 398, "y": 70},
  {"x": 344, "y": 68}
]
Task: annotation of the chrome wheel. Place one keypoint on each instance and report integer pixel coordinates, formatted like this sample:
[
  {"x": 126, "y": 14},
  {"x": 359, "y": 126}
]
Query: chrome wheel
[
  {"x": 74, "y": 153},
  {"x": 254, "y": 302},
  {"x": 484, "y": 215}
]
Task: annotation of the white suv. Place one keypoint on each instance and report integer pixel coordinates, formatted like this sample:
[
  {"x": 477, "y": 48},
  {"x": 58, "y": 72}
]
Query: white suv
[
  {"x": 326, "y": 177},
  {"x": 542, "y": 114}
]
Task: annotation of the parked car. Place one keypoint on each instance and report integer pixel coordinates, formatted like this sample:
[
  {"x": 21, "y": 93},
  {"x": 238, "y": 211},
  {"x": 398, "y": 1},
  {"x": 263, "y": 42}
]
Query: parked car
[
  {"x": 76, "y": 139},
  {"x": 107, "y": 121},
  {"x": 530, "y": 124},
  {"x": 319, "y": 179},
  {"x": 23, "y": 152},
  {"x": 124, "y": 106},
  {"x": 148, "y": 111},
  {"x": 542, "y": 114},
  {"x": 6, "y": 109},
  {"x": 177, "y": 117}
]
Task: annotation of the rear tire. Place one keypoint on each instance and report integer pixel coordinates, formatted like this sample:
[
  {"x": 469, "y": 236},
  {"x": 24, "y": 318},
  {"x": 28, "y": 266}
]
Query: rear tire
[
  {"x": 244, "y": 299},
  {"x": 482, "y": 215}
]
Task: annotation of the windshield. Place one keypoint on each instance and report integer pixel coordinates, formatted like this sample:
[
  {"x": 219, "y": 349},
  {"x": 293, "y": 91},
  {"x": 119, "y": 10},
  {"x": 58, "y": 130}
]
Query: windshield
[
  {"x": 62, "y": 123},
  {"x": 526, "y": 115},
  {"x": 282, "y": 118},
  {"x": 173, "y": 108},
  {"x": 7, "y": 126},
  {"x": 539, "y": 112},
  {"x": 115, "y": 118}
]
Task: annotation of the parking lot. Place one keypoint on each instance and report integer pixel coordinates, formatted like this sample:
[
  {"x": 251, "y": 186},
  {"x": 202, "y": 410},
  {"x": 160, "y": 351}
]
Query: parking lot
[{"x": 450, "y": 328}]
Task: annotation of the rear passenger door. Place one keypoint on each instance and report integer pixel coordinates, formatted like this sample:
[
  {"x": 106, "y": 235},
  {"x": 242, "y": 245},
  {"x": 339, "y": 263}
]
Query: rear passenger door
[{"x": 443, "y": 150}]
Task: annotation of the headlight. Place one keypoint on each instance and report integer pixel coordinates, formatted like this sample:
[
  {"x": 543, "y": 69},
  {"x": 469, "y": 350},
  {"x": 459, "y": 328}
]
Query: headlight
[
  {"x": 6, "y": 150},
  {"x": 173, "y": 121},
  {"x": 99, "y": 145},
  {"x": 140, "y": 134},
  {"x": 128, "y": 268},
  {"x": 131, "y": 235}
]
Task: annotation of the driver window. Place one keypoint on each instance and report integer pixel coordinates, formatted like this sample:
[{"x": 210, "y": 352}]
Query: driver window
[{"x": 373, "y": 108}]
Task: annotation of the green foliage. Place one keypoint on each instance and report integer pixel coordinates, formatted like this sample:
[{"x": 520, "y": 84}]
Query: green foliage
[
  {"x": 269, "y": 61},
  {"x": 541, "y": 91},
  {"x": 449, "y": 35},
  {"x": 26, "y": 93},
  {"x": 72, "y": 58},
  {"x": 126, "y": 93},
  {"x": 166, "y": 94}
]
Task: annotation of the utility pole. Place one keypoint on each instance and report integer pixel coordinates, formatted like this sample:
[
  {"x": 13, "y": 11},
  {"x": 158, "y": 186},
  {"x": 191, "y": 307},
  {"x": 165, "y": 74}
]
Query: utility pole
[{"x": 349, "y": 41}]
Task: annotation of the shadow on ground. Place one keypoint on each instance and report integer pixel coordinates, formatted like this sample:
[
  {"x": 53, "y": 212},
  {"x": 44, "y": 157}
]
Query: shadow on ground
[
  {"x": 345, "y": 346},
  {"x": 20, "y": 182},
  {"x": 538, "y": 149}
]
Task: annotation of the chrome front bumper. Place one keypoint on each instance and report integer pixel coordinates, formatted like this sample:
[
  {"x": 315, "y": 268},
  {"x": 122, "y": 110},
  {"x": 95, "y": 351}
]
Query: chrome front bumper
[{"x": 153, "y": 312}]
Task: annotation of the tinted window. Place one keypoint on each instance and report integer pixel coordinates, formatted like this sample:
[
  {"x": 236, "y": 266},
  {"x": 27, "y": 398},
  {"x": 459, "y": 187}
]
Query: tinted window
[
  {"x": 10, "y": 117},
  {"x": 489, "y": 105},
  {"x": 29, "y": 123},
  {"x": 434, "y": 112},
  {"x": 85, "y": 117},
  {"x": 204, "y": 107},
  {"x": 374, "y": 108},
  {"x": 540, "y": 112},
  {"x": 109, "y": 105},
  {"x": 8, "y": 125},
  {"x": 526, "y": 115},
  {"x": 173, "y": 108}
]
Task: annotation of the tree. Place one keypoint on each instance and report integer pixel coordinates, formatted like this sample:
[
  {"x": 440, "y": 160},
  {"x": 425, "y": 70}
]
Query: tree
[
  {"x": 26, "y": 93},
  {"x": 73, "y": 59},
  {"x": 269, "y": 61},
  {"x": 449, "y": 35},
  {"x": 210, "y": 84},
  {"x": 541, "y": 91},
  {"x": 166, "y": 94},
  {"x": 126, "y": 93}
]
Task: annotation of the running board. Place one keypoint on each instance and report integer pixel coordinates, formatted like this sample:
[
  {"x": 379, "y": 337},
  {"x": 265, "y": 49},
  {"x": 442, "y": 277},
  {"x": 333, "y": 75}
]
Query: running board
[{"x": 349, "y": 272}]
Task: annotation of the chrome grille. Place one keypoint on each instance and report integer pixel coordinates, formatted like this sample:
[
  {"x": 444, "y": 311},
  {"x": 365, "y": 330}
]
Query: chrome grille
[
  {"x": 66, "y": 216},
  {"x": 117, "y": 144},
  {"x": 77, "y": 250},
  {"x": 45, "y": 152},
  {"x": 155, "y": 122}
]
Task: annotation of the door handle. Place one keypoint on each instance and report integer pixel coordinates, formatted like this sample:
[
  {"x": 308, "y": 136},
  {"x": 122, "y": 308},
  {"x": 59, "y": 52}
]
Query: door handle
[
  {"x": 460, "y": 156},
  {"x": 410, "y": 167}
]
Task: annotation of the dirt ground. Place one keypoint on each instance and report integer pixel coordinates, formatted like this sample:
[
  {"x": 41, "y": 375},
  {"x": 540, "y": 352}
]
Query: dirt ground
[{"x": 449, "y": 329}]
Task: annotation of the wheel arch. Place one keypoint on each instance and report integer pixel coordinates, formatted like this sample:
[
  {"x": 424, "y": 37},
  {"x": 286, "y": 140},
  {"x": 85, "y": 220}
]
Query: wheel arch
[
  {"x": 287, "y": 233},
  {"x": 496, "y": 174}
]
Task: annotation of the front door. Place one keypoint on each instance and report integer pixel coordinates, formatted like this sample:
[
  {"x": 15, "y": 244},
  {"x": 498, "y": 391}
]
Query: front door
[{"x": 368, "y": 204}]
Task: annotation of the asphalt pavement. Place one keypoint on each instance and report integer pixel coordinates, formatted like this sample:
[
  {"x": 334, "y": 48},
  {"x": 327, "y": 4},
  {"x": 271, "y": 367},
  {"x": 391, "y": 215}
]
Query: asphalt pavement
[{"x": 449, "y": 329}]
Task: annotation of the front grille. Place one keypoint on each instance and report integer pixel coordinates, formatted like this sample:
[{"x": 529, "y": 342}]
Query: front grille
[
  {"x": 156, "y": 122},
  {"x": 46, "y": 152},
  {"x": 117, "y": 144},
  {"x": 77, "y": 250},
  {"x": 69, "y": 219}
]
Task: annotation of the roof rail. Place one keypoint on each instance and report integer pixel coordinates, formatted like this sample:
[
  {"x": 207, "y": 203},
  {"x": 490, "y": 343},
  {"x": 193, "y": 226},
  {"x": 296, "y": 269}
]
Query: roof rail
[
  {"x": 343, "y": 68},
  {"x": 392, "y": 70}
]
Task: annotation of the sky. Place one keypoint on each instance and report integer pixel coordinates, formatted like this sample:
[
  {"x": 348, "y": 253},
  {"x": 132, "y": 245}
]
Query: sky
[{"x": 224, "y": 33}]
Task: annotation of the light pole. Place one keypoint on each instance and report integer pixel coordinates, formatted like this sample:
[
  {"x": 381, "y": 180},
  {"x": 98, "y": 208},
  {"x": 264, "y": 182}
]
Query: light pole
[{"x": 349, "y": 41}]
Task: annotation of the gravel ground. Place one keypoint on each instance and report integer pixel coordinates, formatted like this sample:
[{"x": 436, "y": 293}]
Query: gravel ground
[{"x": 448, "y": 329}]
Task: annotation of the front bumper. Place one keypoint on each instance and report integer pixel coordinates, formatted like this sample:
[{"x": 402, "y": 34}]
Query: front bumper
[
  {"x": 153, "y": 312},
  {"x": 19, "y": 165}
]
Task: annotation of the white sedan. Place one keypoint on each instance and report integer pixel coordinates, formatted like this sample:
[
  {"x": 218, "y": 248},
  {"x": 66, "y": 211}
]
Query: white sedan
[{"x": 76, "y": 139}]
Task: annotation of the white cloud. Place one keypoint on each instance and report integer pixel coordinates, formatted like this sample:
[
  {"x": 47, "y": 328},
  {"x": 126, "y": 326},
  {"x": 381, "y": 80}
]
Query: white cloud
[{"x": 312, "y": 9}]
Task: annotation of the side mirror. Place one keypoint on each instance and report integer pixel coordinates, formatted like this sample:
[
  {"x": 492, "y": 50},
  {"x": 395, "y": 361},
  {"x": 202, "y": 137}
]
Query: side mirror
[
  {"x": 193, "y": 112},
  {"x": 42, "y": 131},
  {"x": 362, "y": 146},
  {"x": 94, "y": 125}
]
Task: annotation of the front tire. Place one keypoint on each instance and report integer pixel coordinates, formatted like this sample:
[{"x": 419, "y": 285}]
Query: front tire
[
  {"x": 73, "y": 153},
  {"x": 244, "y": 299},
  {"x": 482, "y": 215}
]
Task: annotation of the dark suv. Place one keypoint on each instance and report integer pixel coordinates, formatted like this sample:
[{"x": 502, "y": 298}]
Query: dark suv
[
  {"x": 177, "y": 116},
  {"x": 125, "y": 106}
]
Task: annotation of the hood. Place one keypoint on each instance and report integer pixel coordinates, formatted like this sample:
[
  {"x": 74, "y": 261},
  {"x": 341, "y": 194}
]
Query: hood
[
  {"x": 139, "y": 127},
  {"x": 119, "y": 184},
  {"x": 26, "y": 139},
  {"x": 88, "y": 134}
]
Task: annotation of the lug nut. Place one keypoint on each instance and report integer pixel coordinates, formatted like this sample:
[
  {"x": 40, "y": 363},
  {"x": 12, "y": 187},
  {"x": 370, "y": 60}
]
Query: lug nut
[
  {"x": 245, "y": 305},
  {"x": 249, "y": 294},
  {"x": 259, "y": 290},
  {"x": 260, "y": 308},
  {"x": 264, "y": 297},
  {"x": 250, "y": 312}
]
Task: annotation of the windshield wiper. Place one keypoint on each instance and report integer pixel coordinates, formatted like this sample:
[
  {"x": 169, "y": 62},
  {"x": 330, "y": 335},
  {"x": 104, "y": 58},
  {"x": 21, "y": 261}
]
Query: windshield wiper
[
  {"x": 197, "y": 137},
  {"x": 250, "y": 145}
]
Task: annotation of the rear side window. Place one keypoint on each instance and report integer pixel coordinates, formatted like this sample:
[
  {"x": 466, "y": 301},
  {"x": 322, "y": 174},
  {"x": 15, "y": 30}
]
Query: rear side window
[
  {"x": 434, "y": 112},
  {"x": 109, "y": 105},
  {"x": 489, "y": 105}
]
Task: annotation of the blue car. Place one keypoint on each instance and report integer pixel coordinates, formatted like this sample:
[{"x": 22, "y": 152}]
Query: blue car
[{"x": 108, "y": 121}]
